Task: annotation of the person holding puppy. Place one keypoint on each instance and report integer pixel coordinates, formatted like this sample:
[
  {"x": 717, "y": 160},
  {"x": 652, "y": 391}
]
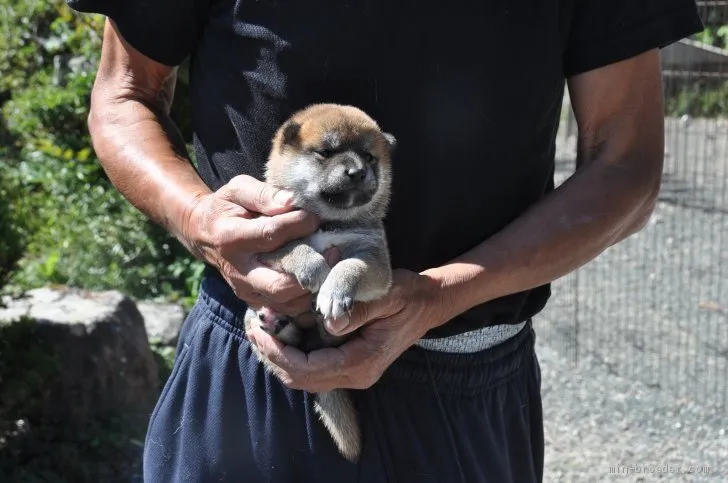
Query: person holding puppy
[{"x": 443, "y": 369}]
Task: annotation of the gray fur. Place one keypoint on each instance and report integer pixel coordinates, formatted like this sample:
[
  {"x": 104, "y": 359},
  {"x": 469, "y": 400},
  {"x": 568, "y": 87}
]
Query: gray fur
[
  {"x": 302, "y": 261},
  {"x": 352, "y": 216}
]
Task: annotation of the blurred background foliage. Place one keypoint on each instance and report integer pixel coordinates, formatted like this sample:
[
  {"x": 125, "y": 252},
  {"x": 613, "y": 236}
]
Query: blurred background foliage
[
  {"x": 704, "y": 96},
  {"x": 61, "y": 220}
]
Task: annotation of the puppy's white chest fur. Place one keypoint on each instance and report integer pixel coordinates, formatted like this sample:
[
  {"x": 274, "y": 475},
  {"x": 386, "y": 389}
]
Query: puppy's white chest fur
[{"x": 323, "y": 240}]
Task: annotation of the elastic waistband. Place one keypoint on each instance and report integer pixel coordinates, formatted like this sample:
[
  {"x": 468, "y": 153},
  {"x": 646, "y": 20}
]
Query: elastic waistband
[
  {"x": 220, "y": 300},
  {"x": 463, "y": 373},
  {"x": 473, "y": 341}
]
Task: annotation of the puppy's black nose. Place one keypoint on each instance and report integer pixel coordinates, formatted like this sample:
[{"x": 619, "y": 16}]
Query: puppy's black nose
[{"x": 356, "y": 173}]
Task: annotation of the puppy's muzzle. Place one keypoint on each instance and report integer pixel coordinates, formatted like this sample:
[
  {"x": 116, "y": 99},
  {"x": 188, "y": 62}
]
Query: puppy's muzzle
[
  {"x": 349, "y": 182},
  {"x": 357, "y": 174}
]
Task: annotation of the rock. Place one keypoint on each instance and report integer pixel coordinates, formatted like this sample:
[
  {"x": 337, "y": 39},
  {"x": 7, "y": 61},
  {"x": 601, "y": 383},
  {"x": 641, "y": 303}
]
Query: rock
[
  {"x": 74, "y": 356},
  {"x": 163, "y": 321}
]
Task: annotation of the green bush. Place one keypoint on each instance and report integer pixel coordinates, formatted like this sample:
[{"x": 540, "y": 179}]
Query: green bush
[
  {"x": 62, "y": 221},
  {"x": 11, "y": 230},
  {"x": 50, "y": 119},
  {"x": 699, "y": 100}
]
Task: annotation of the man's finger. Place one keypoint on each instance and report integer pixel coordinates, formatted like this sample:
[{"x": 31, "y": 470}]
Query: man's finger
[
  {"x": 292, "y": 360},
  {"x": 258, "y": 196},
  {"x": 361, "y": 314},
  {"x": 269, "y": 347},
  {"x": 290, "y": 363},
  {"x": 263, "y": 233},
  {"x": 320, "y": 371},
  {"x": 293, "y": 308},
  {"x": 275, "y": 286},
  {"x": 326, "y": 362},
  {"x": 362, "y": 354},
  {"x": 268, "y": 233},
  {"x": 299, "y": 306}
]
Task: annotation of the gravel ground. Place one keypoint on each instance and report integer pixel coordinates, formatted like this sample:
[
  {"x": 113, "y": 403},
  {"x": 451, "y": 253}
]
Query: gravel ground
[
  {"x": 647, "y": 326},
  {"x": 600, "y": 427},
  {"x": 655, "y": 307}
]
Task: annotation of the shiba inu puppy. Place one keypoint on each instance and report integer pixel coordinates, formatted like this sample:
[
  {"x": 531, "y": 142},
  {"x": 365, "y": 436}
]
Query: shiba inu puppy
[{"x": 337, "y": 162}]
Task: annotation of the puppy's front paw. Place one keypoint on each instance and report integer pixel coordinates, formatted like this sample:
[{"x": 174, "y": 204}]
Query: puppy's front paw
[
  {"x": 334, "y": 299},
  {"x": 312, "y": 275}
]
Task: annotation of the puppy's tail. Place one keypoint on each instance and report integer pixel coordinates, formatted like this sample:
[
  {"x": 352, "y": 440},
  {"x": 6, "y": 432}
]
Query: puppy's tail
[{"x": 337, "y": 412}]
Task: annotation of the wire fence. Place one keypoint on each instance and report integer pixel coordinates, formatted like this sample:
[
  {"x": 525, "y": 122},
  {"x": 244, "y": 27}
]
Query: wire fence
[{"x": 655, "y": 307}]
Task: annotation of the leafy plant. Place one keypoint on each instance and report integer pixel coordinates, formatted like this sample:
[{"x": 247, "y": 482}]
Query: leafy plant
[
  {"x": 64, "y": 222},
  {"x": 699, "y": 100},
  {"x": 12, "y": 235}
]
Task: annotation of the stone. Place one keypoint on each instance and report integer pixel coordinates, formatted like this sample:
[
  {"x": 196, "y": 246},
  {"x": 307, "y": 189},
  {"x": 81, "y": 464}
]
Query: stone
[
  {"x": 74, "y": 355},
  {"x": 163, "y": 321}
]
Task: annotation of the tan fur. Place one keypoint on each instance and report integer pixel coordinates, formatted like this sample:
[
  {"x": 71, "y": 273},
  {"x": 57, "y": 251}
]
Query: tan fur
[
  {"x": 349, "y": 190},
  {"x": 348, "y": 124},
  {"x": 339, "y": 416}
]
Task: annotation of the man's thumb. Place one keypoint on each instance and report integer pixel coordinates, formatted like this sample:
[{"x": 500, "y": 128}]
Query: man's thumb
[
  {"x": 361, "y": 314},
  {"x": 258, "y": 196}
]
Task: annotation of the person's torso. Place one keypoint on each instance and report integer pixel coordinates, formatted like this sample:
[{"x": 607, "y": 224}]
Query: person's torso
[{"x": 471, "y": 90}]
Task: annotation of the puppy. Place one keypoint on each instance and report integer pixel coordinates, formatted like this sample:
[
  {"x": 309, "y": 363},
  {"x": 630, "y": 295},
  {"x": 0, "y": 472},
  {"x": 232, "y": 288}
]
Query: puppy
[{"x": 337, "y": 162}]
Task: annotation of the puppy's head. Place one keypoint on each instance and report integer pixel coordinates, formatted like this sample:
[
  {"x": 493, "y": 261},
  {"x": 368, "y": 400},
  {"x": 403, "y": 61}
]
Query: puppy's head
[{"x": 336, "y": 160}]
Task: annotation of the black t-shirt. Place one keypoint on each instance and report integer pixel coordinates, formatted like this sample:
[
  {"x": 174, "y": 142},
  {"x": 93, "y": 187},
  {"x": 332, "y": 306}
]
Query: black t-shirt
[{"x": 471, "y": 90}]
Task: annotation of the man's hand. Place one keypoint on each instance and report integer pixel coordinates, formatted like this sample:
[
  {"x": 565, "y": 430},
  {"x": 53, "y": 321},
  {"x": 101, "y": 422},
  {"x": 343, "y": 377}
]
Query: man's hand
[
  {"x": 146, "y": 159},
  {"x": 229, "y": 227},
  {"x": 387, "y": 328}
]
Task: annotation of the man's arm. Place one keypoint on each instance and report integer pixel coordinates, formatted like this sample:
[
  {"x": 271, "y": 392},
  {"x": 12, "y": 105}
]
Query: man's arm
[
  {"x": 137, "y": 143},
  {"x": 145, "y": 158},
  {"x": 616, "y": 91},
  {"x": 619, "y": 111},
  {"x": 611, "y": 196}
]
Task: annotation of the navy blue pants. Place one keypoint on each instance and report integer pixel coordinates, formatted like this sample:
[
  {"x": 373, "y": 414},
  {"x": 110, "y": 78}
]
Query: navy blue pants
[{"x": 432, "y": 417}]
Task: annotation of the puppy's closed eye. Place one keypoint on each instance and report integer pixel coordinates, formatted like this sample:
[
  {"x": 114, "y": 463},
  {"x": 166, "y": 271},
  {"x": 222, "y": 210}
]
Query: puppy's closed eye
[{"x": 324, "y": 153}]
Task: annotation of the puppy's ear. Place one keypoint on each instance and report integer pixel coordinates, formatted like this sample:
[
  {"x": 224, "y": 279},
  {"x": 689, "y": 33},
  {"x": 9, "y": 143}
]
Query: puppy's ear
[
  {"x": 391, "y": 140},
  {"x": 290, "y": 133}
]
